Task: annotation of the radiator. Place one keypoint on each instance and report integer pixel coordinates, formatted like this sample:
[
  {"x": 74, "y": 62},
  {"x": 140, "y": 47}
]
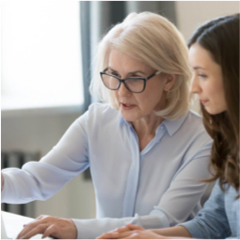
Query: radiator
[{"x": 17, "y": 159}]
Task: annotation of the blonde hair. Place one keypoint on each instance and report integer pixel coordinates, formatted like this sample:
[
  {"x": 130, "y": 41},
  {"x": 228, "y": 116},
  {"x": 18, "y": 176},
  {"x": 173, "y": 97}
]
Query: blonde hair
[{"x": 152, "y": 39}]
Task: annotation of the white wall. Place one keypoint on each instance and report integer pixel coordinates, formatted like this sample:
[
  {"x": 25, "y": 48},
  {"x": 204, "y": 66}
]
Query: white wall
[
  {"x": 191, "y": 14},
  {"x": 40, "y": 132}
]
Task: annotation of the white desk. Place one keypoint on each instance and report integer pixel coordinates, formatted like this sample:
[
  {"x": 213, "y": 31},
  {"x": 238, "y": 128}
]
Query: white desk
[{"x": 14, "y": 224}]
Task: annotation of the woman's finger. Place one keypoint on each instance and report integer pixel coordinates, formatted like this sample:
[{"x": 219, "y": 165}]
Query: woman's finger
[
  {"x": 51, "y": 231},
  {"x": 27, "y": 227},
  {"x": 113, "y": 232},
  {"x": 116, "y": 232},
  {"x": 108, "y": 235},
  {"x": 122, "y": 229},
  {"x": 39, "y": 229},
  {"x": 134, "y": 227},
  {"x": 115, "y": 235},
  {"x": 42, "y": 217}
]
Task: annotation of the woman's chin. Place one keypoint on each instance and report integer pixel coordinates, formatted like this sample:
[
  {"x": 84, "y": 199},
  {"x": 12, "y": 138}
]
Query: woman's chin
[
  {"x": 214, "y": 111},
  {"x": 129, "y": 117}
]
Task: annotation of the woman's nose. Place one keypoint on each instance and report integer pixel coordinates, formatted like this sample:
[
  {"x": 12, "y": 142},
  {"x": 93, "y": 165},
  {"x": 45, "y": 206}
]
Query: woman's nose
[
  {"x": 123, "y": 91},
  {"x": 194, "y": 87}
]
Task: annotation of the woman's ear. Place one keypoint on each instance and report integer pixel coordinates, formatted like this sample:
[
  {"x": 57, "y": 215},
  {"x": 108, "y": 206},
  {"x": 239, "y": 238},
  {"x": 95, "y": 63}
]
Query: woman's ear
[{"x": 170, "y": 81}]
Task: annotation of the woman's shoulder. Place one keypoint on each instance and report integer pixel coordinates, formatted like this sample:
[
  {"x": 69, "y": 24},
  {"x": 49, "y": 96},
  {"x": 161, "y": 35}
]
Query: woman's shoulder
[
  {"x": 97, "y": 115},
  {"x": 98, "y": 106},
  {"x": 100, "y": 113},
  {"x": 194, "y": 119},
  {"x": 101, "y": 108},
  {"x": 193, "y": 126},
  {"x": 195, "y": 115}
]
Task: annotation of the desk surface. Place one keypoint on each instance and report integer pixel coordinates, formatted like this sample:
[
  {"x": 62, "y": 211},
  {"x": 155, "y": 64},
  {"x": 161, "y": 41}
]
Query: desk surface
[{"x": 14, "y": 224}]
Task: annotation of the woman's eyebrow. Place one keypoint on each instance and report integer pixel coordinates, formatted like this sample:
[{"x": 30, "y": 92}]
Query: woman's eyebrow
[
  {"x": 134, "y": 72},
  {"x": 111, "y": 69},
  {"x": 198, "y": 67},
  {"x": 138, "y": 71}
]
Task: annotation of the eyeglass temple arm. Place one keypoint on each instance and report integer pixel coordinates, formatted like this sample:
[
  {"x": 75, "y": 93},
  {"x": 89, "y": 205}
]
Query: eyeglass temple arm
[{"x": 154, "y": 74}]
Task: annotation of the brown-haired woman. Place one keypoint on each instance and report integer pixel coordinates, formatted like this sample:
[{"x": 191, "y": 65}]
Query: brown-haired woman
[{"x": 214, "y": 57}]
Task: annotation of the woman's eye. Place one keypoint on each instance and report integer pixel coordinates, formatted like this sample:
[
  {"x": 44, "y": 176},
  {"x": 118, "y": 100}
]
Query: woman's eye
[{"x": 202, "y": 76}]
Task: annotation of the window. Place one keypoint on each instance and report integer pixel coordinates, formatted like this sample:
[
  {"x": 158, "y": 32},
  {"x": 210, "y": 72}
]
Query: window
[{"x": 41, "y": 54}]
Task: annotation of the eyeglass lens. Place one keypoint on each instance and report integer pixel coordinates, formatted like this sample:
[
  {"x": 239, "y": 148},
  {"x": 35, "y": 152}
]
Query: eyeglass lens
[{"x": 133, "y": 84}]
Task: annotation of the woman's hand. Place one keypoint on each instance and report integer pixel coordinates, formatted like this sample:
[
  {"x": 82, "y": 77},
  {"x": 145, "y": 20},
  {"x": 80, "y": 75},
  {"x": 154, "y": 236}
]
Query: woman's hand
[
  {"x": 130, "y": 231},
  {"x": 120, "y": 232},
  {"x": 49, "y": 227}
]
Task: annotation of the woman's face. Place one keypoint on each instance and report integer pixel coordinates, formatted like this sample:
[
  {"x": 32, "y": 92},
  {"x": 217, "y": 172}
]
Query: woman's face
[
  {"x": 207, "y": 80},
  {"x": 135, "y": 106}
]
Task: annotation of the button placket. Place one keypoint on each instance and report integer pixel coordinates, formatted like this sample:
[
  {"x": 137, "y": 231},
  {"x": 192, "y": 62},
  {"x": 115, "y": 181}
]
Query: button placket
[{"x": 133, "y": 178}]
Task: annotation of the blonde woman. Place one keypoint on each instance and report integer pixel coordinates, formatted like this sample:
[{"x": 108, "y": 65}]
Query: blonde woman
[{"x": 145, "y": 149}]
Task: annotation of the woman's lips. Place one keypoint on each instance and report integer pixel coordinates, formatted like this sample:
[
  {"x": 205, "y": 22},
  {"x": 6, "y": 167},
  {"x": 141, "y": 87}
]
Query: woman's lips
[
  {"x": 203, "y": 101},
  {"x": 125, "y": 106}
]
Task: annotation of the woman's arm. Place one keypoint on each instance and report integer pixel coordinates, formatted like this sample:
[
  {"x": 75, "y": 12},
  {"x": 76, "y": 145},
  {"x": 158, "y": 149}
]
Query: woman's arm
[
  {"x": 218, "y": 219},
  {"x": 178, "y": 231},
  {"x": 182, "y": 198}
]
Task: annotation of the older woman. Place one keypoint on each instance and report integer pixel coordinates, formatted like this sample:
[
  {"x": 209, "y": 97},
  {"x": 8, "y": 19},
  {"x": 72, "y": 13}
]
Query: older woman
[{"x": 145, "y": 149}]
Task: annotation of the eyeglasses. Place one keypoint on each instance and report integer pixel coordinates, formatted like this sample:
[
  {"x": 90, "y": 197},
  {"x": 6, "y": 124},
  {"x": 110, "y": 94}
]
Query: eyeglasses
[{"x": 134, "y": 84}]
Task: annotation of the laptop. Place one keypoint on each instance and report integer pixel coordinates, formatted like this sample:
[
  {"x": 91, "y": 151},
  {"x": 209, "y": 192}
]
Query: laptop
[{"x": 20, "y": 223}]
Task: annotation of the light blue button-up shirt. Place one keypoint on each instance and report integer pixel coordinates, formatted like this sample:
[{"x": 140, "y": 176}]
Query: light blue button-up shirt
[
  {"x": 157, "y": 187},
  {"x": 220, "y": 217}
]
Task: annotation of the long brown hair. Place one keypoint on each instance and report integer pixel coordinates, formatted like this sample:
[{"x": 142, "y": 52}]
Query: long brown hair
[{"x": 220, "y": 37}]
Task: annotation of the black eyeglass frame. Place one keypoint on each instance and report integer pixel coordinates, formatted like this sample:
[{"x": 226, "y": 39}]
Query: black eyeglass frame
[{"x": 123, "y": 80}]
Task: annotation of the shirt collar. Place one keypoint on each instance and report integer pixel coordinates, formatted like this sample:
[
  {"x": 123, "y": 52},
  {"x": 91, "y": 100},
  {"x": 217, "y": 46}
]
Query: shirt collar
[
  {"x": 172, "y": 126},
  {"x": 123, "y": 121}
]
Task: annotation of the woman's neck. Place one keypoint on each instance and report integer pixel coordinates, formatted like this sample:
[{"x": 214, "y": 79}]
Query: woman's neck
[{"x": 146, "y": 129}]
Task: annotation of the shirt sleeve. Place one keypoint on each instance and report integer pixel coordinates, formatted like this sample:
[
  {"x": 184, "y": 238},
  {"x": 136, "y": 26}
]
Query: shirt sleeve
[
  {"x": 211, "y": 221},
  {"x": 175, "y": 206},
  {"x": 41, "y": 180},
  {"x": 182, "y": 198},
  {"x": 92, "y": 228}
]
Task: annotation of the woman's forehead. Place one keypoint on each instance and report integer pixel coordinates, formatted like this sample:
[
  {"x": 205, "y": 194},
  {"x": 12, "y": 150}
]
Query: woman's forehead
[
  {"x": 119, "y": 60},
  {"x": 200, "y": 58}
]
